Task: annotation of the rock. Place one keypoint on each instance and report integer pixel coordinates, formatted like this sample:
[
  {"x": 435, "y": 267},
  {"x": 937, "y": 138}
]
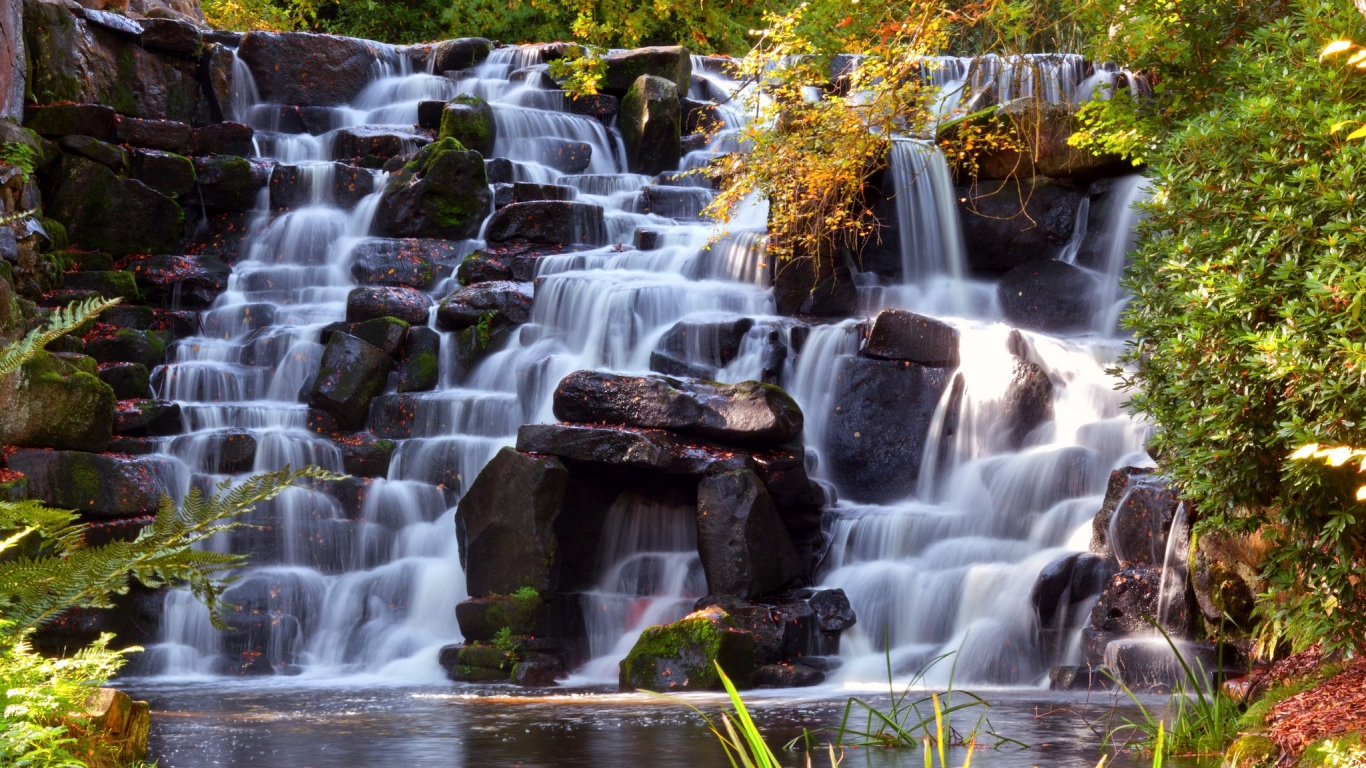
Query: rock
[
  {"x": 384, "y": 142},
  {"x": 1010, "y": 224},
  {"x": 162, "y": 135},
  {"x": 229, "y": 183},
  {"x": 128, "y": 380},
  {"x": 1050, "y": 296},
  {"x": 1131, "y": 595},
  {"x": 228, "y": 452},
  {"x": 406, "y": 304},
  {"x": 807, "y": 286},
  {"x": 192, "y": 282},
  {"x": 595, "y": 105},
  {"x": 113, "y": 157},
  {"x": 78, "y": 57},
  {"x": 393, "y": 263},
  {"x": 419, "y": 361},
  {"x": 1252, "y": 750},
  {"x": 215, "y": 78},
  {"x": 536, "y": 674},
  {"x": 1028, "y": 402},
  {"x": 564, "y": 156},
  {"x": 93, "y": 120},
  {"x": 1077, "y": 678},
  {"x": 1150, "y": 664},
  {"x": 787, "y": 676},
  {"x": 127, "y": 345},
  {"x": 505, "y": 524},
  {"x": 746, "y": 413},
  {"x": 1065, "y": 585},
  {"x": 899, "y": 335},
  {"x": 110, "y": 285},
  {"x": 147, "y": 418},
  {"x": 672, "y": 63},
  {"x": 365, "y": 455},
  {"x": 225, "y": 138},
  {"x": 172, "y": 36},
  {"x": 170, "y": 174},
  {"x": 351, "y": 374},
  {"x": 97, "y": 485},
  {"x": 118, "y": 216},
  {"x": 291, "y": 186},
  {"x": 481, "y": 619},
  {"x": 53, "y": 404},
  {"x": 525, "y": 192},
  {"x": 744, "y": 547},
  {"x": 1135, "y": 518},
  {"x": 429, "y": 114},
  {"x": 387, "y": 333},
  {"x": 469, "y": 120},
  {"x": 709, "y": 340},
  {"x": 448, "y": 55},
  {"x": 629, "y": 447},
  {"x": 442, "y": 192},
  {"x": 663, "y": 362},
  {"x": 501, "y": 302},
  {"x": 1041, "y": 147},
  {"x": 1224, "y": 578},
  {"x": 650, "y": 122},
  {"x": 550, "y": 222},
  {"x": 308, "y": 69},
  {"x": 516, "y": 264},
  {"x": 876, "y": 436},
  {"x": 832, "y": 610},
  {"x": 682, "y": 656}
]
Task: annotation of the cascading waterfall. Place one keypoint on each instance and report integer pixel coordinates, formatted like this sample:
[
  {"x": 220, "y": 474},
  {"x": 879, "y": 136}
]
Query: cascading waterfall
[{"x": 373, "y": 589}]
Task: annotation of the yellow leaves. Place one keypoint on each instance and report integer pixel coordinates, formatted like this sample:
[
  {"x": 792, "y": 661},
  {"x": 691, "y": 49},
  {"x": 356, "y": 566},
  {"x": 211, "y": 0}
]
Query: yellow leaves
[
  {"x": 1334, "y": 456},
  {"x": 1336, "y": 47}
]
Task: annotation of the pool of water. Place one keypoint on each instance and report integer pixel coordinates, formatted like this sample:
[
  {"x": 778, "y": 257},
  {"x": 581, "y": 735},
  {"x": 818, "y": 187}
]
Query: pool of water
[{"x": 284, "y": 723}]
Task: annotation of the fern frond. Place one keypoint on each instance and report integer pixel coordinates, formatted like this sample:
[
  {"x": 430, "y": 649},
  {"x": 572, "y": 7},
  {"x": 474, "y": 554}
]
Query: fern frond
[{"x": 59, "y": 323}]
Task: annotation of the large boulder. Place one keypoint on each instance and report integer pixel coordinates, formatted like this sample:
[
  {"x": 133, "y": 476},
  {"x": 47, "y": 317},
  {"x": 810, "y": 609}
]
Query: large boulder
[
  {"x": 807, "y": 285},
  {"x": 1133, "y": 596},
  {"x": 549, "y": 222},
  {"x": 450, "y": 55},
  {"x": 1135, "y": 519},
  {"x": 745, "y": 550},
  {"x": 1028, "y": 402},
  {"x": 52, "y": 404},
  {"x": 168, "y": 173},
  {"x": 710, "y": 340},
  {"x": 419, "y": 360},
  {"x": 495, "y": 303},
  {"x": 162, "y": 135},
  {"x": 74, "y": 60},
  {"x": 230, "y": 183},
  {"x": 1050, "y": 296},
  {"x": 629, "y": 447},
  {"x": 883, "y": 411},
  {"x": 900, "y": 335},
  {"x": 749, "y": 413},
  {"x": 468, "y": 119},
  {"x": 351, "y": 374},
  {"x": 308, "y": 69},
  {"x": 670, "y": 62},
  {"x": 650, "y": 122},
  {"x": 442, "y": 192},
  {"x": 368, "y": 303},
  {"x": 505, "y": 524},
  {"x": 192, "y": 282},
  {"x": 375, "y": 143},
  {"x": 115, "y": 215},
  {"x": 1010, "y": 223},
  {"x": 683, "y": 656},
  {"x": 393, "y": 263},
  {"x": 95, "y": 484}
]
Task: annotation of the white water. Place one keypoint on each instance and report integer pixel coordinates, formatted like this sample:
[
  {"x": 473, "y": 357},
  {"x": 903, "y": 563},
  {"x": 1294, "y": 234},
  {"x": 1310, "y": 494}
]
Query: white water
[{"x": 374, "y": 590}]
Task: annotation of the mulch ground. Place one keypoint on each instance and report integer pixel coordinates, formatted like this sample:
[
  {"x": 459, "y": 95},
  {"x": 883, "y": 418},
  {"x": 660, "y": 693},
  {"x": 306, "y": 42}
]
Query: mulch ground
[{"x": 1334, "y": 708}]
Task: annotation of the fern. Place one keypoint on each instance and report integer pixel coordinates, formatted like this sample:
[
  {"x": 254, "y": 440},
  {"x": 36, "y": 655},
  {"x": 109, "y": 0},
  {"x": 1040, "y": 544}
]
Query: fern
[{"x": 59, "y": 323}]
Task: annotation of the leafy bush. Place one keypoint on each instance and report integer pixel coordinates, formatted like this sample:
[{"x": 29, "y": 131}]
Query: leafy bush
[{"x": 1247, "y": 303}]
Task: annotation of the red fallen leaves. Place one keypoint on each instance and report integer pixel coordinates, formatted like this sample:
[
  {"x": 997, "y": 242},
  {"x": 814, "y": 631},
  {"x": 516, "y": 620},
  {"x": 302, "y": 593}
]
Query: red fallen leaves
[
  {"x": 1336, "y": 707},
  {"x": 9, "y": 475}
]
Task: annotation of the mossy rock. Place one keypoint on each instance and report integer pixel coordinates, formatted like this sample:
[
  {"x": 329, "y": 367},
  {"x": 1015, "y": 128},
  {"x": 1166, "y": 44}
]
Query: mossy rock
[
  {"x": 469, "y": 120},
  {"x": 486, "y": 657},
  {"x": 118, "y": 216},
  {"x": 110, "y": 285},
  {"x": 651, "y": 124},
  {"x": 53, "y": 404},
  {"x": 419, "y": 361},
  {"x": 442, "y": 193},
  {"x": 682, "y": 656},
  {"x": 1251, "y": 751},
  {"x": 128, "y": 345}
]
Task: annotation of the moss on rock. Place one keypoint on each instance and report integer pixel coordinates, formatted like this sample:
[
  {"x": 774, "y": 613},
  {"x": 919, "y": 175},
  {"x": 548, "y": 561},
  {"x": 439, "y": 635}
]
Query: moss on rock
[
  {"x": 1251, "y": 751},
  {"x": 469, "y": 120},
  {"x": 53, "y": 404},
  {"x": 680, "y": 656}
]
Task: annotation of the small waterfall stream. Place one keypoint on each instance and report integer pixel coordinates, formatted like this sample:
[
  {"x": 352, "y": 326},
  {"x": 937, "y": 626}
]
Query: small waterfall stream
[{"x": 372, "y": 588}]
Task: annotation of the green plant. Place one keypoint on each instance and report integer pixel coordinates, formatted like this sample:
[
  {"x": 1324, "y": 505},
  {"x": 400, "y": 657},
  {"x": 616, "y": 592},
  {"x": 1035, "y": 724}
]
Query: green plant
[
  {"x": 19, "y": 155},
  {"x": 503, "y": 641},
  {"x": 482, "y": 329}
]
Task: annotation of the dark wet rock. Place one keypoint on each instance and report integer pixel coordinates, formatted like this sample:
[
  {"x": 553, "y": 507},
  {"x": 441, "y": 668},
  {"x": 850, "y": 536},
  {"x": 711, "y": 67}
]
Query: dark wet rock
[
  {"x": 224, "y": 139},
  {"x": 1067, "y": 584},
  {"x": 365, "y": 455},
  {"x": 537, "y": 674},
  {"x": 109, "y": 345},
  {"x": 1134, "y": 529},
  {"x": 51, "y": 403},
  {"x": 351, "y": 374},
  {"x": 220, "y": 234},
  {"x": 563, "y": 155},
  {"x": 504, "y": 524},
  {"x": 745, "y": 413},
  {"x": 419, "y": 360},
  {"x": 877, "y": 433},
  {"x": 118, "y": 216},
  {"x": 783, "y": 471},
  {"x": 1028, "y": 402},
  {"x": 168, "y": 173},
  {"x": 832, "y": 610},
  {"x": 494, "y": 303},
  {"x": 97, "y": 485},
  {"x": 229, "y": 452},
  {"x": 215, "y": 78},
  {"x": 1077, "y": 678},
  {"x": 291, "y": 186},
  {"x": 1042, "y": 149},
  {"x": 163, "y": 135},
  {"x": 672, "y": 63},
  {"x": 1132, "y": 596},
  {"x": 128, "y": 380},
  {"x": 650, "y": 122},
  {"x": 629, "y": 447},
  {"x": 681, "y": 203},
  {"x": 468, "y": 119},
  {"x": 148, "y": 418},
  {"x": 550, "y": 222},
  {"x": 499, "y": 170},
  {"x": 110, "y": 285},
  {"x": 667, "y": 364},
  {"x": 1009, "y": 224},
  {"x": 647, "y": 239},
  {"x": 172, "y": 36},
  {"x": 406, "y": 304},
  {"x": 745, "y": 549},
  {"x": 899, "y": 335},
  {"x": 1050, "y": 296},
  {"x": 376, "y": 141},
  {"x": 308, "y": 69},
  {"x": 1150, "y": 663},
  {"x": 192, "y": 282},
  {"x": 448, "y": 55},
  {"x": 807, "y": 286},
  {"x": 111, "y": 156},
  {"x": 470, "y": 346},
  {"x": 57, "y": 120},
  {"x": 516, "y": 264},
  {"x": 429, "y": 114},
  {"x": 787, "y": 676},
  {"x": 403, "y": 263},
  {"x": 683, "y": 656},
  {"x": 387, "y": 333},
  {"x": 442, "y": 192},
  {"x": 229, "y": 183},
  {"x": 526, "y": 192},
  {"x": 596, "y": 105}
]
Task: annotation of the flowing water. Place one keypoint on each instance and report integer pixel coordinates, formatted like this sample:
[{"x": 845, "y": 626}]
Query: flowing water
[{"x": 370, "y": 593}]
